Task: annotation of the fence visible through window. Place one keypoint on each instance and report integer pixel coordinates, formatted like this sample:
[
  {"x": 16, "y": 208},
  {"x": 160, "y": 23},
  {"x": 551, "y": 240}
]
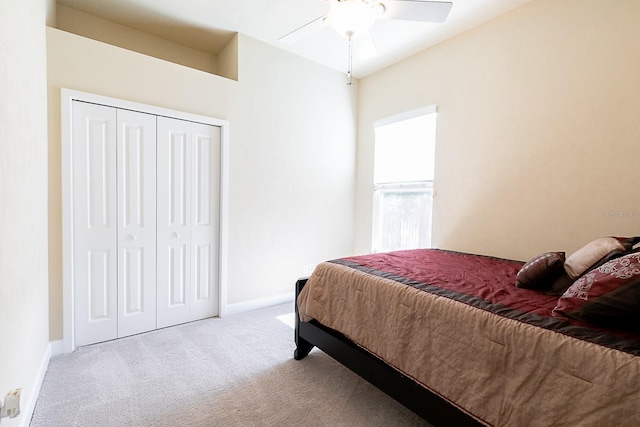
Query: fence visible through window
[{"x": 403, "y": 217}]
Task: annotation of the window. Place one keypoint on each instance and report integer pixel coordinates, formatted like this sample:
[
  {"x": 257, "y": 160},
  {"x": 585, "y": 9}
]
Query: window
[{"x": 403, "y": 181}]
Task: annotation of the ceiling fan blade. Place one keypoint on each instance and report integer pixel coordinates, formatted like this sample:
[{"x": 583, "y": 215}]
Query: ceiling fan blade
[
  {"x": 417, "y": 10},
  {"x": 365, "y": 47},
  {"x": 304, "y": 31}
]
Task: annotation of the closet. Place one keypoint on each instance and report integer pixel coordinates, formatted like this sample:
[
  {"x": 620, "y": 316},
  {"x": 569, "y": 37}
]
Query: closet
[{"x": 145, "y": 221}]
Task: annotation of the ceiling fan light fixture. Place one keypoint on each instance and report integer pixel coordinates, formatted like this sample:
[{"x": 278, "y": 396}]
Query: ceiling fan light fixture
[{"x": 350, "y": 18}]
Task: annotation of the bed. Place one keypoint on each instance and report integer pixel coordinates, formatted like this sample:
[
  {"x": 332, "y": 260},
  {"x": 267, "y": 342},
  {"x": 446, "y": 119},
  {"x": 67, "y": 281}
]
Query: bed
[{"x": 463, "y": 339}]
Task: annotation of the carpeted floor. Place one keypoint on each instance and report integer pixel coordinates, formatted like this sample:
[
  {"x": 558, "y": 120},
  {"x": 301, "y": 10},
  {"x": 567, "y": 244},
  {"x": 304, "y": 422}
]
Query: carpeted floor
[{"x": 235, "y": 371}]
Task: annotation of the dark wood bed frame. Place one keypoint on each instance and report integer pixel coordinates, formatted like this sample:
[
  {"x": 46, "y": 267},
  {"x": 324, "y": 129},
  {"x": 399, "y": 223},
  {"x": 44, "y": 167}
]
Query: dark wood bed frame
[{"x": 405, "y": 390}]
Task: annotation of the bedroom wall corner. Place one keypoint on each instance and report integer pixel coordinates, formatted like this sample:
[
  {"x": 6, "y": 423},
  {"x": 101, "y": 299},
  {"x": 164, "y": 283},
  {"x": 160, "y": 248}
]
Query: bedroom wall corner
[
  {"x": 24, "y": 326},
  {"x": 297, "y": 150}
]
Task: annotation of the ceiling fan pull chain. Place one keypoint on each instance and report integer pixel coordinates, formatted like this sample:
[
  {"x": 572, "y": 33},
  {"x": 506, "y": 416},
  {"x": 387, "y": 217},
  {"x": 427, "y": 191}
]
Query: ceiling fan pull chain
[{"x": 349, "y": 70}]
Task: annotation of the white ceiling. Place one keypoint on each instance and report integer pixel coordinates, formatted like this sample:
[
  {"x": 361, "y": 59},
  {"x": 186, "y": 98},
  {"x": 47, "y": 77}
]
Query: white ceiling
[{"x": 209, "y": 24}]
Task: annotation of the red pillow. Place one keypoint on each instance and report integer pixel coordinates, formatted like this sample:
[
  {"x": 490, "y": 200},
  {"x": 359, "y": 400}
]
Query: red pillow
[{"x": 608, "y": 295}]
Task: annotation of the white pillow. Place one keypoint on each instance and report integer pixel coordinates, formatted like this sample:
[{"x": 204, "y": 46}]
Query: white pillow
[{"x": 589, "y": 255}]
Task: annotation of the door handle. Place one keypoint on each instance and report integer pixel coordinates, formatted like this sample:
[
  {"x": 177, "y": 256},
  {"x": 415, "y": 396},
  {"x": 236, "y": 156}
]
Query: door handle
[
  {"x": 132, "y": 237},
  {"x": 175, "y": 234}
]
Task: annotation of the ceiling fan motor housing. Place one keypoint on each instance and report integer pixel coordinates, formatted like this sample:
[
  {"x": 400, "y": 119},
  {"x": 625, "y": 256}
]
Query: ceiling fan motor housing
[{"x": 351, "y": 18}]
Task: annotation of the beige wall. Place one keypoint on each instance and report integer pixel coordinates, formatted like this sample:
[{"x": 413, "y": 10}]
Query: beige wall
[
  {"x": 538, "y": 131},
  {"x": 291, "y": 152},
  {"x": 24, "y": 334},
  {"x": 227, "y": 60},
  {"x": 77, "y": 22}
]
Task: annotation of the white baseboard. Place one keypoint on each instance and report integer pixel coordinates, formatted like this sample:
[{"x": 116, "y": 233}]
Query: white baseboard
[
  {"x": 256, "y": 304},
  {"x": 28, "y": 405}
]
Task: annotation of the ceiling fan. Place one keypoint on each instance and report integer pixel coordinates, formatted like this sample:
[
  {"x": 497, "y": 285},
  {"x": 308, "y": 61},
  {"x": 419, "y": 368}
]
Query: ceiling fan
[{"x": 353, "y": 19}]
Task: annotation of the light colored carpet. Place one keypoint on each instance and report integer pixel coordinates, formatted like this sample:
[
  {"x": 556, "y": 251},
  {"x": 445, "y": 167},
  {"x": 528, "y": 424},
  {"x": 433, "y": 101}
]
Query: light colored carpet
[{"x": 234, "y": 371}]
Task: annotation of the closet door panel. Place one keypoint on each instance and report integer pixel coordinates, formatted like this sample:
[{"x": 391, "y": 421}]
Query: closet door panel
[
  {"x": 98, "y": 286},
  {"x": 94, "y": 222},
  {"x": 205, "y": 222},
  {"x": 136, "y": 170},
  {"x": 177, "y": 266},
  {"x": 174, "y": 213}
]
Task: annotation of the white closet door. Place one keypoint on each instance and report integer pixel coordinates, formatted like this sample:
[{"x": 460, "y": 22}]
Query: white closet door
[
  {"x": 136, "y": 177},
  {"x": 205, "y": 229},
  {"x": 188, "y": 221},
  {"x": 94, "y": 222},
  {"x": 173, "y": 216},
  {"x": 145, "y": 221}
]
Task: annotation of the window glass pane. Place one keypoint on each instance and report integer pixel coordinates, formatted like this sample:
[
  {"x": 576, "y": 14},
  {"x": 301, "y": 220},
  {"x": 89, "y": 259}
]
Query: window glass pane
[{"x": 404, "y": 150}]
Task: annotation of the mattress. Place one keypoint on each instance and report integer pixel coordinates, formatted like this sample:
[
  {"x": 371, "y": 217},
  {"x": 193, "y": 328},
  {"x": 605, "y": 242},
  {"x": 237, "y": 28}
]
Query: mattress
[{"x": 456, "y": 324}]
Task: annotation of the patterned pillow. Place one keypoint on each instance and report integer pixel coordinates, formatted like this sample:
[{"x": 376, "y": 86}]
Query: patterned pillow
[
  {"x": 541, "y": 271},
  {"x": 607, "y": 295},
  {"x": 596, "y": 253}
]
